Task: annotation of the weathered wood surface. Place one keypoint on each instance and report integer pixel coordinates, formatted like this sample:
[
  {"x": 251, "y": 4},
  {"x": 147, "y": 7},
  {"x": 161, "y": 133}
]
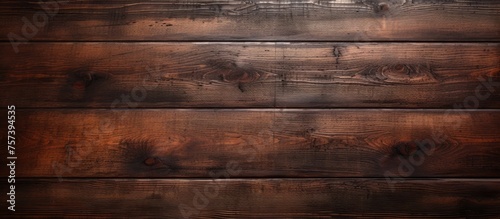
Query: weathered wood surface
[
  {"x": 183, "y": 75},
  {"x": 260, "y": 198},
  {"x": 134, "y": 108},
  {"x": 264, "y": 143},
  {"x": 337, "y": 20}
]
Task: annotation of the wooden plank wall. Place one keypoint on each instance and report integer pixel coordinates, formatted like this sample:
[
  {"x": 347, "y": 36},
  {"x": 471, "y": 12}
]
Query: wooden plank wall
[{"x": 252, "y": 109}]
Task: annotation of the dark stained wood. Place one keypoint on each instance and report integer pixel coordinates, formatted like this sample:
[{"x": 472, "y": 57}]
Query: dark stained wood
[
  {"x": 341, "y": 20},
  {"x": 252, "y": 109},
  {"x": 260, "y": 198},
  {"x": 180, "y": 75},
  {"x": 264, "y": 143}
]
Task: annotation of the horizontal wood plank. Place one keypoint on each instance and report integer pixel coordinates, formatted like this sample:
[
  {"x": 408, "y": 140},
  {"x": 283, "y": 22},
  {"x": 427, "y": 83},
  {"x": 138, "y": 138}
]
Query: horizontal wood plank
[
  {"x": 183, "y": 75},
  {"x": 227, "y": 109},
  {"x": 340, "y": 20},
  {"x": 262, "y": 143},
  {"x": 260, "y": 198}
]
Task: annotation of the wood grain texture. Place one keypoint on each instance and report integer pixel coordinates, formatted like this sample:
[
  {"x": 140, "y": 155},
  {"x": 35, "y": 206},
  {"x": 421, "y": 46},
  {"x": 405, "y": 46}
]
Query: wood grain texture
[
  {"x": 183, "y": 75},
  {"x": 252, "y": 109},
  {"x": 263, "y": 143},
  {"x": 260, "y": 198},
  {"x": 341, "y": 20}
]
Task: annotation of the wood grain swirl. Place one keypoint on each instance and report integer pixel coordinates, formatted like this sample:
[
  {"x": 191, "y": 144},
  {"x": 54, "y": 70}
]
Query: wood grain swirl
[{"x": 390, "y": 75}]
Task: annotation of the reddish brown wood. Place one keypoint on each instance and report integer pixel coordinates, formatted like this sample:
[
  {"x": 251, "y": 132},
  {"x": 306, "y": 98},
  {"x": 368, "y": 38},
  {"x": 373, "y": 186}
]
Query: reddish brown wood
[
  {"x": 200, "y": 20},
  {"x": 260, "y": 198},
  {"x": 175, "y": 75},
  {"x": 265, "y": 143}
]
